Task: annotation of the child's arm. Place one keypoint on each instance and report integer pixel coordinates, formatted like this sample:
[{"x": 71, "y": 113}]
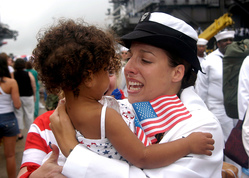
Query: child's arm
[{"x": 157, "y": 155}]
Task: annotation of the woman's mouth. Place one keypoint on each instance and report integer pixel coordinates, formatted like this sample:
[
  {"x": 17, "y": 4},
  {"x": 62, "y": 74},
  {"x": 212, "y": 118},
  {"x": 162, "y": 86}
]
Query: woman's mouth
[{"x": 134, "y": 86}]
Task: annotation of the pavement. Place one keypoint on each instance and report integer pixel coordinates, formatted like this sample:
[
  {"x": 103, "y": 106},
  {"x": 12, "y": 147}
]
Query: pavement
[{"x": 19, "y": 151}]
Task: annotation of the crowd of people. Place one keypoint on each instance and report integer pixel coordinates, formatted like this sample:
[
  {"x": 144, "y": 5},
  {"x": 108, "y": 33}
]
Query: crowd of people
[{"x": 160, "y": 83}]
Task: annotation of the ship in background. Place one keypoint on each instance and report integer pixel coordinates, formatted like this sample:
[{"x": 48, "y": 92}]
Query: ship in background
[
  {"x": 200, "y": 14},
  {"x": 6, "y": 33}
]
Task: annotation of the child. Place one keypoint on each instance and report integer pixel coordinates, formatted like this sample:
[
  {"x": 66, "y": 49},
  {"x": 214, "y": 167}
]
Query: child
[{"x": 78, "y": 59}]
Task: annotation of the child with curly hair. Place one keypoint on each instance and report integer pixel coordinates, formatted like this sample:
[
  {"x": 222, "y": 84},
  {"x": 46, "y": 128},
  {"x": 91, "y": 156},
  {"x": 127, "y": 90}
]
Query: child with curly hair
[{"x": 78, "y": 58}]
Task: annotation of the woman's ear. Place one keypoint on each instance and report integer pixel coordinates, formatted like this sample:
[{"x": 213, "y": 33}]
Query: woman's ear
[
  {"x": 178, "y": 73},
  {"x": 89, "y": 82}
]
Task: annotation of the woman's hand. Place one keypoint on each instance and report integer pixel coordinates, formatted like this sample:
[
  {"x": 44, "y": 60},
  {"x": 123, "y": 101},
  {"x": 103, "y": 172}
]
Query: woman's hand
[
  {"x": 50, "y": 168},
  {"x": 63, "y": 129}
]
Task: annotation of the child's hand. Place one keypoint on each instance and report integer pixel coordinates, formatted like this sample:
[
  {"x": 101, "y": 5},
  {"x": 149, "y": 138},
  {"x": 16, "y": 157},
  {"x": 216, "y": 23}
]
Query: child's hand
[{"x": 201, "y": 143}]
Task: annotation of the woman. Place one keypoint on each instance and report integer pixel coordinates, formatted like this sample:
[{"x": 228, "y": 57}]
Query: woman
[
  {"x": 30, "y": 69},
  {"x": 85, "y": 54},
  {"x": 8, "y": 123},
  {"x": 163, "y": 62},
  {"x": 27, "y": 90}
]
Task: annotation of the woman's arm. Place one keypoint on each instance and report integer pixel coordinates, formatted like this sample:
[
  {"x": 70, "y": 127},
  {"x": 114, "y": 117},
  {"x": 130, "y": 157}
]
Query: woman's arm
[
  {"x": 33, "y": 85},
  {"x": 15, "y": 94},
  {"x": 156, "y": 155},
  {"x": 128, "y": 145},
  {"x": 22, "y": 171}
]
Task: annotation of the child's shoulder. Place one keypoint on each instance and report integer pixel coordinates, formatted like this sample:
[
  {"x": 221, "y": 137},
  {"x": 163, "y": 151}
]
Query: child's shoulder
[{"x": 110, "y": 102}]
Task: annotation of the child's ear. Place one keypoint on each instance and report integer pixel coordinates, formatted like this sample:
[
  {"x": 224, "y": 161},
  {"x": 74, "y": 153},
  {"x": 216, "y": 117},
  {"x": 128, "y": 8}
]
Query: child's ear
[
  {"x": 89, "y": 81},
  {"x": 178, "y": 73}
]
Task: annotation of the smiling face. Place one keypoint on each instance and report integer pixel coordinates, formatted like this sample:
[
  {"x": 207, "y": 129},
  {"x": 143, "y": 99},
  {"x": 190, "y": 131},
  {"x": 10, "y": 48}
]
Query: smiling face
[{"x": 149, "y": 75}]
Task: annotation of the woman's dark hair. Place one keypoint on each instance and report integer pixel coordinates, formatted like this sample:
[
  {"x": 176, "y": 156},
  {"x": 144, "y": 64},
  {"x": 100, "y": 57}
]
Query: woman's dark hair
[
  {"x": 29, "y": 65},
  {"x": 4, "y": 70},
  {"x": 68, "y": 51},
  {"x": 190, "y": 76},
  {"x": 19, "y": 64}
]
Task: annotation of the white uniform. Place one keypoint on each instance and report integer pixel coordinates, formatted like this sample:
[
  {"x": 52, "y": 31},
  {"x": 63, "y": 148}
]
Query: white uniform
[
  {"x": 245, "y": 140},
  {"x": 243, "y": 88},
  {"x": 201, "y": 59},
  {"x": 209, "y": 87},
  {"x": 243, "y": 102},
  {"x": 83, "y": 163}
]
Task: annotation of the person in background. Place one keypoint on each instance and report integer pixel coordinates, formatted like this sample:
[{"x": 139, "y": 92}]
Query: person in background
[
  {"x": 209, "y": 85},
  {"x": 243, "y": 107},
  {"x": 9, "y": 99},
  {"x": 10, "y": 66},
  {"x": 163, "y": 62},
  {"x": 201, "y": 49},
  {"x": 27, "y": 91},
  {"x": 10, "y": 63},
  {"x": 243, "y": 88},
  {"x": 29, "y": 68},
  {"x": 113, "y": 89},
  {"x": 124, "y": 55}
]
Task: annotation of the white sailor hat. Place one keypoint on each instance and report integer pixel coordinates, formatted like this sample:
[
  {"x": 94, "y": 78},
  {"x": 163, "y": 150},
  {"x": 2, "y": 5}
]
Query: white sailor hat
[
  {"x": 167, "y": 32},
  {"x": 224, "y": 35},
  {"x": 123, "y": 48},
  {"x": 202, "y": 41}
]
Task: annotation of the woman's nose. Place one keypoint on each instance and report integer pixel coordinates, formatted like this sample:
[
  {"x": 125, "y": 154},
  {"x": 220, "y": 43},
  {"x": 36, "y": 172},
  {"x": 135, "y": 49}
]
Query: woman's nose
[{"x": 130, "y": 66}]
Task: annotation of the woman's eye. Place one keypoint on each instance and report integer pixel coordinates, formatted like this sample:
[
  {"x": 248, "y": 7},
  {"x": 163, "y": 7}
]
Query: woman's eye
[{"x": 146, "y": 61}]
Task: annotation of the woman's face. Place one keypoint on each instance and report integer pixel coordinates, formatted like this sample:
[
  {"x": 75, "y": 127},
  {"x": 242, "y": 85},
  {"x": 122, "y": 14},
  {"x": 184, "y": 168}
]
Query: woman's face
[{"x": 148, "y": 74}]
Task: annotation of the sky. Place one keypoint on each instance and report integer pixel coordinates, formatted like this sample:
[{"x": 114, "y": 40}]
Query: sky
[{"x": 29, "y": 16}]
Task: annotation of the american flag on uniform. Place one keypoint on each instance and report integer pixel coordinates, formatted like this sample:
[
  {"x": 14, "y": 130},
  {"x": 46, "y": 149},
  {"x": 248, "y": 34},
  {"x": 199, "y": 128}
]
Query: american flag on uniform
[{"x": 158, "y": 116}]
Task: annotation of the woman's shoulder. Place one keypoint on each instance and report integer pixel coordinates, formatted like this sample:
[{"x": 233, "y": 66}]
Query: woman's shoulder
[
  {"x": 8, "y": 81},
  {"x": 12, "y": 82},
  {"x": 8, "y": 84}
]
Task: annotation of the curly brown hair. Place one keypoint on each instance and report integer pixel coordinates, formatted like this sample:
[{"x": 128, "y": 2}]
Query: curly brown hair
[{"x": 66, "y": 53}]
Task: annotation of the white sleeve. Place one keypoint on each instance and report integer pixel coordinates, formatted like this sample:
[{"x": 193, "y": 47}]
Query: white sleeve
[
  {"x": 243, "y": 88},
  {"x": 11, "y": 70},
  {"x": 245, "y": 132},
  {"x": 84, "y": 163},
  {"x": 194, "y": 166}
]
